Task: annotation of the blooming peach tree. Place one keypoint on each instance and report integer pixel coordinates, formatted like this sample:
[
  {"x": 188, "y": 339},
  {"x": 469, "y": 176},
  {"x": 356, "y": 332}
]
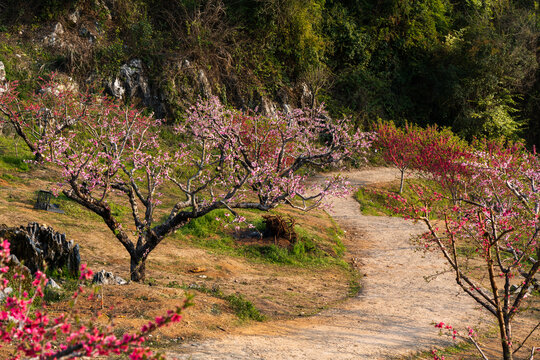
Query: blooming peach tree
[
  {"x": 220, "y": 159},
  {"x": 28, "y": 331},
  {"x": 441, "y": 155},
  {"x": 429, "y": 151},
  {"x": 398, "y": 146},
  {"x": 45, "y": 113},
  {"x": 496, "y": 215}
]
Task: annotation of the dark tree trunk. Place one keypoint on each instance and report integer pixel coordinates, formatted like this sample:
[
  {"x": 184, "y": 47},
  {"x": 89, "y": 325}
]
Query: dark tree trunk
[
  {"x": 38, "y": 157},
  {"x": 138, "y": 268}
]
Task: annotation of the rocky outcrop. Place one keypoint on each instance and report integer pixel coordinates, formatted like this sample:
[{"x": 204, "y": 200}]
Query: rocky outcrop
[
  {"x": 204, "y": 85},
  {"x": 306, "y": 96},
  {"x": 74, "y": 17},
  {"x": 132, "y": 83},
  {"x": 38, "y": 246}
]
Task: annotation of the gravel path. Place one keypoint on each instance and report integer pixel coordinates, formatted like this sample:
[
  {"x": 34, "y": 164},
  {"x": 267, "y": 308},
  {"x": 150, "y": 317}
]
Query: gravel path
[{"x": 392, "y": 315}]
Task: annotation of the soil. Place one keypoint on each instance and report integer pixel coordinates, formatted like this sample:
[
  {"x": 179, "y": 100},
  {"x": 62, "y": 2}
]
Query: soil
[{"x": 392, "y": 316}]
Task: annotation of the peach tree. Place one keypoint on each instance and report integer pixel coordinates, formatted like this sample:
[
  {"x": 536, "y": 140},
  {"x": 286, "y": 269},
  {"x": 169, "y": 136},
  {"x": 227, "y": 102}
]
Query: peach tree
[
  {"x": 220, "y": 159},
  {"x": 45, "y": 113},
  {"x": 489, "y": 232}
]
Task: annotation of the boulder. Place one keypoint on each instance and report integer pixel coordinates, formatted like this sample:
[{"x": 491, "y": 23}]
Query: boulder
[
  {"x": 132, "y": 83},
  {"x": 87, "y": 34},
  {"x": 38, "y": 246},
  {"x": 107, "y": 278},
  {"x": 205, "y": 89},
  {"x": 5, "y": 293},
  {"x": 52, "y": 284},
  {"x": 268, "y": 107},
  {"x": 306, "y": 97}
]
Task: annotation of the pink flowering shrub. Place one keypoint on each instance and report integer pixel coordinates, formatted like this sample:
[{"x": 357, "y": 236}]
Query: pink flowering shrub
[
  {"x": 495, "y": 212},
  {"x": 29, "y": 331}
]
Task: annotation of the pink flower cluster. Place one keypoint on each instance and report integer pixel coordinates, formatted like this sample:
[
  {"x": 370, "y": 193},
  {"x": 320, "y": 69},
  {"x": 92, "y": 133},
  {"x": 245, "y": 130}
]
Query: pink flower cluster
[{"x": 32, "y": 333}]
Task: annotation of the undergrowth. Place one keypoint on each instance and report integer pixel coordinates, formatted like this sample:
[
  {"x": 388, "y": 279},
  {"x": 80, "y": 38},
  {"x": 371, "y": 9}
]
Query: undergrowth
[
  {"x": 310, "y": 249},
  {"x": 243, "y": 308},
  {"x": 14, "y": 155},
  {"x": 376, "y": 202}
]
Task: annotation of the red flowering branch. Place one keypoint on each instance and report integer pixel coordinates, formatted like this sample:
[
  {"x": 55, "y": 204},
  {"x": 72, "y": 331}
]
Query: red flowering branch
[
  {"x": 33, "y": 333},
  {"x": 495, "y": 211}
]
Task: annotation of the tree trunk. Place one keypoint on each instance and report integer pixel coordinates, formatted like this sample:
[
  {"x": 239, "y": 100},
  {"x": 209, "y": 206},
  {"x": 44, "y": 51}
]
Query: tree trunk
[
  {"x": 38, "y": 157},
  {"x": 505, "y": 337},
  {"x": 138, "y": 268},
  {"x": 507, "y": 351},
  {"x": 402, "y": 181}
]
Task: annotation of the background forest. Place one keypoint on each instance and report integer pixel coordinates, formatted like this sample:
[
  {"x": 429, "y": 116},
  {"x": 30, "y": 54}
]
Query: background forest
[{"x": 471, "y": 65}]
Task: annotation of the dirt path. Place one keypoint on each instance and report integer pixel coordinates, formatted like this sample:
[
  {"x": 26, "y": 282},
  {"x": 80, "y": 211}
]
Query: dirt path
[{"x": 392, "y": 315}]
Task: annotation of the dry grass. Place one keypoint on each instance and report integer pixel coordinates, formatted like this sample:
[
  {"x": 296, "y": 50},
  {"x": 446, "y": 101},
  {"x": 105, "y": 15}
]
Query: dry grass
[{"x": 276, "y": 290}]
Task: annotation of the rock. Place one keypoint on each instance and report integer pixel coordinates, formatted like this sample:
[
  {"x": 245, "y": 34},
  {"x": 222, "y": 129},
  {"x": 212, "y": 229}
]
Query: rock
[
  {"x": 306, "y": 99},
  {"x": 107, "y": 278},
  {"x": 19, "y": 268},
  {"x": 131, "y": 82},
  {"x": 74, "y": 17},
  {"x": 106, "y": 7},
  {"x": 116, "y": 88},
  {"x": 38, "y": 245},
  {"x": 8, "y": 290},
  {"x": 54, "y": 37},
  {"x": 58, "y": 29},
  {"x": 87, "y": 34},
  {"x": 204, "y": 85},
  {"x": 268, "y": 107},
  {"x": 2, "y": 72},
  {"x": 64, "y": 84},
  {"x": 53, "y": 285}
]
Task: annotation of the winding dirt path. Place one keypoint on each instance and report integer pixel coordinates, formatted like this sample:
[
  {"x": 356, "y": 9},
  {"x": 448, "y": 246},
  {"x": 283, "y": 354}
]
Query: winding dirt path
[{"x": 392, "y": 315}]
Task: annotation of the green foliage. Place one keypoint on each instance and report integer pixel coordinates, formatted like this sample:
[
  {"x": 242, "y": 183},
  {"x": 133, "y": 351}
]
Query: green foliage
[
  {"x": 204, "y": 226},
  {"x": 469, "y": 65},
  {"x": 109, "y": 58},
  {"x": 375, "y": 201},
  {"x": 43, "y": 10},
  {"x": 14, "y": 155},
  {"x": 309, "y": 249},
  {"x": 372, "y": 202},
  {"x": 243, "y": 308}
]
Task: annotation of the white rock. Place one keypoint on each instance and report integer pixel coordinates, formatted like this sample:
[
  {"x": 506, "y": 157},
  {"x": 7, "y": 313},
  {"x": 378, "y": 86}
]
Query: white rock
[
  {"x": 51, "y": 283},
  {"x": 2, "y": 72}
]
